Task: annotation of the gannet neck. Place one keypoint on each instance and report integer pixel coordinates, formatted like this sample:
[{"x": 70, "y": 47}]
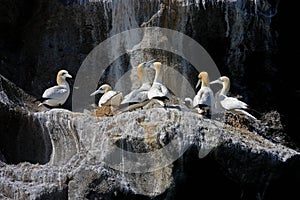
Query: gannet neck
[
  {"x": 158, "y": 73},
  {"x": 66, "y": 84},
  {"x": 140, "y": 72},
  {"x": 226, "y": 85},
  {"x": 107, "y": 89},
  {"x": 204, "y": 79},
  {"x": 61, "y": 81},
  {"x": 61, "y": 77}
]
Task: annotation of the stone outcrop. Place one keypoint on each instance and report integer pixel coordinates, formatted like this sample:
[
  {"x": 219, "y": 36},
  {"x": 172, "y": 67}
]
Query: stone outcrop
[{"x": 59, "y": 154}]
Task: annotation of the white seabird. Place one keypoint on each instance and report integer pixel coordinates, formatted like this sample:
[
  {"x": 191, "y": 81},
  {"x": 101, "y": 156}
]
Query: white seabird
[
  {"x": 110, "y": 97},
  {"x": 204, "y": 99},
  {"x": 57, "y": 95},
  {"x": 140, "y": 94},
  {"x": 229, "y": 103},
  {"x": 158, "y": 90}
]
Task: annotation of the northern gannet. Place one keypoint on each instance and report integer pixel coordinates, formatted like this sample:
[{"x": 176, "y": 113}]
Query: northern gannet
[
  {"x": 229, "y": 103},
  {"x": 57, "y": 95},
  {"x": 110, "y": 97},
  {"x": 140, "y": 94},
  {"x": 158, "y": 90},
  {"x": 204, "y": 98}
]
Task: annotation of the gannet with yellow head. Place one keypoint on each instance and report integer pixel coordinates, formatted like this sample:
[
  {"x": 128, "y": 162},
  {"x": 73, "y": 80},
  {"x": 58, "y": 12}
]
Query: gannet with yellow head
[
  {"x": 158, "y": 90},
  {"x": 109, "y": 97},
  {"x": 57, "y": 95},
  {"x": 204, "y": 98},
  {"x": 229, "y": 103},
  {"x": 140, "y": 94}
]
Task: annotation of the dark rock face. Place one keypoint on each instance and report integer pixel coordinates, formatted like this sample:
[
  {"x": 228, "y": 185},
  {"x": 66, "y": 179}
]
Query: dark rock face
[
  {"x": 53, "y": 154},
  {"x": 15, "y": 120},
  {"x": 245, "y": 39},
  {"x": 59, "y": 34}
]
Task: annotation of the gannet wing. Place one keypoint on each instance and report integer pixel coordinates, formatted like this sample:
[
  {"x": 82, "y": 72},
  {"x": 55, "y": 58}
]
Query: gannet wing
[
  {"x": 154, "y": 91},
  {"x": 240, "y": 111},
  {"x": 135, "y": 96},
  {"x": 204, "y": 97},
  {"x": 126, "y": 107},
  {"x": 165, "y": 91},
  {"x": 158, "y": 90},
  {"x": 128, "y": 98},
  {"x": 55, "y": 92},
  {"x": 140, "y": 97},
  {"x": 110, "y": 97},
  {"x": 145, "y": 86},
  {"x": 116, "y": 99},
  {"x": 106, "y": 97},
  {"x": 196, "y": 99},
  {"x": 230, "y": 103}
]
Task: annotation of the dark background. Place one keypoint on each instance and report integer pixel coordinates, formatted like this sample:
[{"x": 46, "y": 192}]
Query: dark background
[{"x": 38, "y": 37}]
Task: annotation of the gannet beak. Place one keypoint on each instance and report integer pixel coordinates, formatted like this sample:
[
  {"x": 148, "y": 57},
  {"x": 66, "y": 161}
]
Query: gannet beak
[
  {"x": 198, "y": 83},
  {"x": 68, "y": 76},
  {"x": 97, "y": 92},
  {"x": 149, "y": 63},
  {"x": 216, "y": 81}
]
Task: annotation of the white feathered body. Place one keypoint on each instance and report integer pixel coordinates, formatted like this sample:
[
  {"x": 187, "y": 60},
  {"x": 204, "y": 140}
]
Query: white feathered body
[
  {"x": 158, "y": 90},
  {"x": 204, "y": 97},
  {"x": 232, "y": 104},
  {"x": 110, "y": 98},
  {"x": 137, "y": 95},
  {"x": 56, "y": 95}
]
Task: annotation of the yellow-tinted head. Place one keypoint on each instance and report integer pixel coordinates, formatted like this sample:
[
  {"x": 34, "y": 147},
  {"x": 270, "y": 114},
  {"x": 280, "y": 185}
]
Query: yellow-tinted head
[
  {"x": 141, "y": 67},
  {"x": 102, "y": 89},
  {"x": 62, "y": 75},
  {"x": 226, "y": 84},
  {"x": 225, "y": 80},
  {"x": 203, "y": 77},
  {"x": 105, "y": 88}
]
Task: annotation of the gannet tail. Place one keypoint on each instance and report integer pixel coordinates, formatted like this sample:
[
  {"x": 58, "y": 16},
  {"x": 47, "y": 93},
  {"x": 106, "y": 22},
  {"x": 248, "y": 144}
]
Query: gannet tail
[
  {"x": 252, "y": 109},
  {"x": 40, "y": 100},
  {"x": 245, "y": 113},
  {"x": 130, "y": 107}
]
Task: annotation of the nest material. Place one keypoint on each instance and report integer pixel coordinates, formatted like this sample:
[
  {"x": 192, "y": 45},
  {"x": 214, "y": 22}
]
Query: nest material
[{"x": 104, "y": 111}]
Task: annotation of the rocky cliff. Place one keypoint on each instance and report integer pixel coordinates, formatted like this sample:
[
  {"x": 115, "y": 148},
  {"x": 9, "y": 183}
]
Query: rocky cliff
[
  {"x": 246, "y": 39},
  {"x": 43, "y": 36},
  {"x": 156, "y": 153},
  {"x": 60, "y": 154}
]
